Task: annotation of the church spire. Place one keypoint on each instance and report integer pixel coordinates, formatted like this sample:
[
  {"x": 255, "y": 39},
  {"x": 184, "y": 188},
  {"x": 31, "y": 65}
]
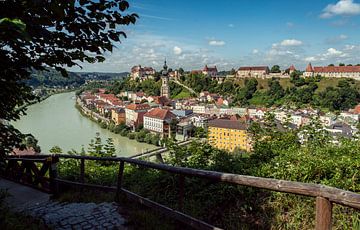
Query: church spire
[{"x": 165, "y": 66}]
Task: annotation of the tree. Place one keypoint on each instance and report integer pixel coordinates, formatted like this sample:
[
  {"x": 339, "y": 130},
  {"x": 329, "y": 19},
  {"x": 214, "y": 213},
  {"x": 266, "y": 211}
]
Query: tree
[
  {"x": 341, "y": 64},
  {"x": 296, "y": 78},
  {"x": 331, "y": 65},
  {"x": 275, "y": 69},
  {"x": 181, "y": 71},
  {"x": 275, "y": 91},
  {"x": 96, "y": 146},
  {"x": 56, "y": 150},
  {"x": 36, "y": 35}
]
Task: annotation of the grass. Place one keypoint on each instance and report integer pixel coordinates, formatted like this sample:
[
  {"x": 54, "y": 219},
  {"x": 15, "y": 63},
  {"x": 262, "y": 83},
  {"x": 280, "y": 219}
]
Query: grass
[{"x": 183, "y": 94}]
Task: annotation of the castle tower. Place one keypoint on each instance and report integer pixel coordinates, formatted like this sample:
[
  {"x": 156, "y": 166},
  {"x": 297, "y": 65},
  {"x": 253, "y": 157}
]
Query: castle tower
[
  {"x": 292, "y": 69},
  {"x": 165, "y": 89},
  {"x": 309, "y": 71}
]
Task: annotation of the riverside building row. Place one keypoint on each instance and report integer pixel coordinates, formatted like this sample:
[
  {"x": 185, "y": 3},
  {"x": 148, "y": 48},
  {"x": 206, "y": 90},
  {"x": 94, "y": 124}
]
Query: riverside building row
[{"x": 226, "y": 126}]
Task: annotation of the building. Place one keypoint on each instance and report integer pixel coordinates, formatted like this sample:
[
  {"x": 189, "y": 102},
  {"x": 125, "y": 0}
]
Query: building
[
  {"x": 228, "y": 135},
  {"x": 118, "y": 116},
  {"x": 134, "y": 114},
  {"x": 200, "y": 109},
  {"x": 210, "y": 71},
  {"x": 142, "y": 72},
  {"x": 253, "y": 71},
  {"x": 292, "y": 69},
  {"x": 165, "y": 88},
  {"x": 333, "y": 71},
  {"x": 158, "y": 121}
]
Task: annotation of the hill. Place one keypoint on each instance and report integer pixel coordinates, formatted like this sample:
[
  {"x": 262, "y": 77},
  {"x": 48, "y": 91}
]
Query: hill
[{"x": 53, "y": 78}]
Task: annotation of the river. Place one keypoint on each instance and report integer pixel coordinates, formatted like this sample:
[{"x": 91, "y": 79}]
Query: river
[{"x": 56, "y": 121}]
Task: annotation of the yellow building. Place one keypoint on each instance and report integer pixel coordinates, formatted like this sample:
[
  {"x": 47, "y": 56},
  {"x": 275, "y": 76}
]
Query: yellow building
[{"x": 228, "y": 135}]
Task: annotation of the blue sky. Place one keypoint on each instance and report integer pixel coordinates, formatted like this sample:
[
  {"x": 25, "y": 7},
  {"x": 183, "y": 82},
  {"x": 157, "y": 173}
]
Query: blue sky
[{"x": 234, "y": 33}]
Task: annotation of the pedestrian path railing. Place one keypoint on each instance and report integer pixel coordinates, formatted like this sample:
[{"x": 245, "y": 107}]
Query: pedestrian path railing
[{"x": 20, "y": 168}]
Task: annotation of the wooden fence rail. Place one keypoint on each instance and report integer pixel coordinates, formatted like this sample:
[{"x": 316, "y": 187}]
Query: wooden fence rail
[{"x": 325, "y": 195}]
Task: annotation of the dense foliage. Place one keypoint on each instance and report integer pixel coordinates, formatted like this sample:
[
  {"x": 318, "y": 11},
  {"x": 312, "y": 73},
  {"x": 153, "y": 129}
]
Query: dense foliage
[
  {"x": 52, "y": 78},
  {"x": 276, "y": 154},
  {"x": 36, "y": 35}
]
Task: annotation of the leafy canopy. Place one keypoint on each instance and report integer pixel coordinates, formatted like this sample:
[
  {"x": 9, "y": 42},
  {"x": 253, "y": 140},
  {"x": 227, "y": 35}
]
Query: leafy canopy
[{"x": 35, "y": 35}]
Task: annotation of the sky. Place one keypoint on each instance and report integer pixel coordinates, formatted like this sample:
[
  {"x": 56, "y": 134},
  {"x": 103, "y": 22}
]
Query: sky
[{"x": 234, "y": 33}]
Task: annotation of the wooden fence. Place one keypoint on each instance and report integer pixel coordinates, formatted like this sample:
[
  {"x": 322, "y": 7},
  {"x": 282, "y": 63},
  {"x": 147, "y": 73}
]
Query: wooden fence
[{"x": 325, "y": 195}]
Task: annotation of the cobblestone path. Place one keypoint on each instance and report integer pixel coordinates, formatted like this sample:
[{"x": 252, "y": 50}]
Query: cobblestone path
[
  {"x": 78, "y": 215},
  {"x": 62, "y": 215}
]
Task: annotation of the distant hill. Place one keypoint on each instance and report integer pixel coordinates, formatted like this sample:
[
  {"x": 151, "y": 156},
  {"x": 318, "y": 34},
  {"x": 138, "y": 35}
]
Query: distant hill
[
  {"x": 102, "y": 76},
  {"x": 53, "y": 78}
]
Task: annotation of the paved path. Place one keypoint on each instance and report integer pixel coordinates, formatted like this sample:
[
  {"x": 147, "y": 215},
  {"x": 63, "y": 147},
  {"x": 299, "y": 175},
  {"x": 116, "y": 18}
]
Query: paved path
[
  {"x": 62, "y": 215},
  {"x": 186, "y": 87}
]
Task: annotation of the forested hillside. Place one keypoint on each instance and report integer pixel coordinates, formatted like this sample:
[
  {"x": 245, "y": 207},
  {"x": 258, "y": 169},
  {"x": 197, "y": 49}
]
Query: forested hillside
[{"x": 52, "y": 78}]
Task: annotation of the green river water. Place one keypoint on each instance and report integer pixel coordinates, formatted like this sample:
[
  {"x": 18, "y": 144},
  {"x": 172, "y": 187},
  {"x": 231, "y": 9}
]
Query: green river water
[{"x": 56, "y": 121}]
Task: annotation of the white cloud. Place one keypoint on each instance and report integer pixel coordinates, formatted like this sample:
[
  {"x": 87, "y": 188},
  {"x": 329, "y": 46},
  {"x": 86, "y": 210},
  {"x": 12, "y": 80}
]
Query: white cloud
[
  {"x": 231, "y": 25},
  {"x": 255, "y": 51},
  {"x": 337, "y": 39},
  {"x": 310, "y": 59},
  {"x": 177, "y": 50},
  {"x": 291, "y": 42},
  {"x": 333, "y": 52},
  {"x": 216, "y": 43},
  {"x": 342, "y": 7}
]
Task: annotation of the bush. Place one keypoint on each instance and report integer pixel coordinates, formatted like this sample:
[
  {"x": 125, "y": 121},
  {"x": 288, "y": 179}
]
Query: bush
[
  {"x": 131, "y": 136},
  {"x": 103, "y": 125},
  {"x": 124, "y": 132}
]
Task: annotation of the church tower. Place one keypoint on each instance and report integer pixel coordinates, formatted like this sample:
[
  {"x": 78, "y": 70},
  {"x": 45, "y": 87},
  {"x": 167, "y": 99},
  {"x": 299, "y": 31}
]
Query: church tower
[{"x": 165, "y": 89}]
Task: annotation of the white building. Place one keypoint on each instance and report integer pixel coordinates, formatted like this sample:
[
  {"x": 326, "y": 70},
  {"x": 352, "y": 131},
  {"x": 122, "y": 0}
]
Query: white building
[
  {"x": 253, "y": 71},
  {"x": 142, "y": 72},
  {"x": 158, "y": 121},
  {"x": 333, "y": 71},
  {"x": 201, "y": 109}
]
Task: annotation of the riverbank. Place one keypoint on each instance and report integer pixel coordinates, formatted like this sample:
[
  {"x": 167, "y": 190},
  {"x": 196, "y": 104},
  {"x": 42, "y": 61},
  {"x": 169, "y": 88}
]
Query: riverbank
[
  {"x": 56, "y": 122},
  {"x": 43, "y": 98},
  {"x": 141, "y": 136}
]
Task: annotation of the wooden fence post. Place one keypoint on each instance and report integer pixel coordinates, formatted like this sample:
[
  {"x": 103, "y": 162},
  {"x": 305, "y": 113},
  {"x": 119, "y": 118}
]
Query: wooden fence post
[
  {"x": 53, "y": 160},
  {"x": 323, "y": 213},
  {"x": 119, "y": 180},
  {"x": 159, "y": 158},
  {"x": 82, "y": 170},
  {"x": 181, "y": 192}
]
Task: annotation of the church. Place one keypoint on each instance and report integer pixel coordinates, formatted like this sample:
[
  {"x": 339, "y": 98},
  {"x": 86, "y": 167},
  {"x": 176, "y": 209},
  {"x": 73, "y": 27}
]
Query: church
[{"x": 165, "y": 88}]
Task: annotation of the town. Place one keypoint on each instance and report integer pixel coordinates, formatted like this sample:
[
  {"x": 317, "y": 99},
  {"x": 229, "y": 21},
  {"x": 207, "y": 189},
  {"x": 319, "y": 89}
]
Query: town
[{"x": 227, "y": 126}]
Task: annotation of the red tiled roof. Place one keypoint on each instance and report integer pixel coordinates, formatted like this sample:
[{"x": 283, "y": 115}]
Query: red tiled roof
[
  {"x": 27, "y": 151},
  {"x": 255, "y": 68},
  {"x": 138, "y": 106},
  {"x": 356, "y": 109},
  {"x": 158, "y": 113},
  {"x": 207, "y": 69},
  {"x": 86, "y": 97},
  {"x": 337, "y": 69},
  {"x": 292, "y": 68},
  {"x": 196, "y": 72},
  {"x": 309, "y": 68}
]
